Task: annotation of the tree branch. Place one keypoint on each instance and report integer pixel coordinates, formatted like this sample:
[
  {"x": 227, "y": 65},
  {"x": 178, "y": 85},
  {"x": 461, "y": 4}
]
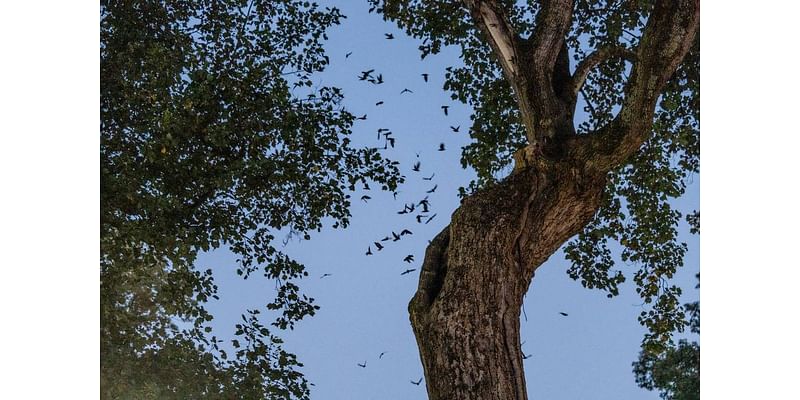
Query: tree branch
[
  {"x": 596, "y": 58},
  {"x": 490, "y": 18}
]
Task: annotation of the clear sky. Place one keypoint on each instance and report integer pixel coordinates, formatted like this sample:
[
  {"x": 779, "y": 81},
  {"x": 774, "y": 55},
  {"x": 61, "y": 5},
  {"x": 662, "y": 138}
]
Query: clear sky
[{"x": 586, "y": 355}]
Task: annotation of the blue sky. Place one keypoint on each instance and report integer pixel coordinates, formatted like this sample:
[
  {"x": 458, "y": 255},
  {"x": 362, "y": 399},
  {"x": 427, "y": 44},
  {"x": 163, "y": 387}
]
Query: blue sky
[{"x": 586, "y": 355}]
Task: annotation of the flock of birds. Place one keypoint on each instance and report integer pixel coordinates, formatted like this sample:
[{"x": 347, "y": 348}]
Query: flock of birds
[{"x": 419, "y": 209}]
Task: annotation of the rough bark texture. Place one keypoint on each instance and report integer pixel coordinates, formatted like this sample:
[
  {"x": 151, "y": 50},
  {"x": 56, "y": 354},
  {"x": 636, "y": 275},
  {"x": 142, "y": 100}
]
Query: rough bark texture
[{"x": 465, "y": 314}]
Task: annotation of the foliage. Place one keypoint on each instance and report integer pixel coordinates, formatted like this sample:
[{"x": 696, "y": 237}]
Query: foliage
[
  {"x": 213, "y": 136},
  {"x": 636, "y": 212},
  {"x": 676, "y": 371}
]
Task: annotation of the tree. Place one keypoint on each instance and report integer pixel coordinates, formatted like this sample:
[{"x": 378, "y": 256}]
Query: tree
[
  {"x": 675, "y": 372},
  {"x": 605, "y": 180},
  {"x": 212, "y": 135}
]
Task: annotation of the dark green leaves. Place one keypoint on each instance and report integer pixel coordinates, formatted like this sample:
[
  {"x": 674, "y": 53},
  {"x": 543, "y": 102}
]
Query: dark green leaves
[{"x": 211, "y": 136}]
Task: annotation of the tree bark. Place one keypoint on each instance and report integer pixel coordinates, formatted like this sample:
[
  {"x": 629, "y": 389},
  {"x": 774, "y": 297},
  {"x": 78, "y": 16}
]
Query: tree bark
[{"x": 465, "y": 314}]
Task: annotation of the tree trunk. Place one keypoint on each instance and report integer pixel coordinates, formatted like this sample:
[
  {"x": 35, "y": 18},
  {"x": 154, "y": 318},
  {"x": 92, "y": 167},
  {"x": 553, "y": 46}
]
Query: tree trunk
[{"x": 465, "y": 314}]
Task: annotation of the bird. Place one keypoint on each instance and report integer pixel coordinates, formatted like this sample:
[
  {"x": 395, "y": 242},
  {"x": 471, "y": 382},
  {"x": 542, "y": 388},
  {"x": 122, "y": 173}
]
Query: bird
[
  {"x": 445, "y": 109},
  {"x": 363, "y": 117},
  {"x": 455, "y": 128},
  {"x": 366, "y": 186},
  {"x": 378, "y": 245},
  {"x": 425, "y": 77},
  {"x": 409, "y": 258},
  {"x": 348, "y": 54},
  {"x": 364, "y": 365},
  {"x": 406, "y": 232},
  {"x": 385, "y": 239},
  {"x": 369, "y": 250},
  {"x": 381, "y": 356},
  {"x": 389, "y": 36},
  {"x": 394, "y": 194},
  {"x": 366, "y": 75},
  {"x": 433, "y": 189},
  {"x": 365, "y": 198},
  {"x": 406, "y": 90},
  {"x": 563, "y": 313},
  {"x": 395, "y": 236},
  {"x": 378, "y": 80},
  {"x": 429, "y": 178},
  {"x": 430, "y": 219},
  {"x": 324, "y": 275},
  {"x": 416, "y": 166},
  {"x": 417, "y": 382},
  {"x": 526, "y": 356},
  {"x": 391, "y": 141},
  {"x": 408, "y": 271},
  {"x": 379, "y": 103},
  {"x": 441, "y": 147},
  {"x": 420, "y": 217}
]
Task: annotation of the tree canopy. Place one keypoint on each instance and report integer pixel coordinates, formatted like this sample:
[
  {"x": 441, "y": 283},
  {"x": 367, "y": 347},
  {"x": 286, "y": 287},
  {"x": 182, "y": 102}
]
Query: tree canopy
[{"x": 212, "y": 135}]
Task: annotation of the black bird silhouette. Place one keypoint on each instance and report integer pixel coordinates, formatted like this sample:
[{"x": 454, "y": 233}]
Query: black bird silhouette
[
  {"x": 406, "y": 232},
  {"x": 379, "y": 103},
  {"x": 366, "y": 75},
  {"x": 389, "y": 36},
  {"x": 455, "y": 128},
  {"x": 363, "y": 117},
  {"x": 379, "y": 80},
  {"x": 365, "y": 198},
  {"x": 526, "y": 356},
  {"x": 441, "y": 147},
  {"x": 425, "y": 204},
  {"x": 324, "y": 275},
  {"x": 385, "y": 239},
  {"x": 427, "y": 179},
  {"x": 420, "y": 217},
  {"x": 364, "y": 365},
  {"x": 408, "y": 271},
  {"x": 409, "y": 258},
  {"x": 425, "y": 77},
  {"x": 348, "y": 54},
  {"x": 366, "y": 186},
  {"x": 417, "y": 382},
  {"x": 395, "y": 236},
  {"x": 445, "y": 109},
  {"x": 416, "y": 166},
  {"x": 433, "y": 189},
  {"x": 369, "y": 250},
  {"x": 394, "y": 194},
  {"x": 391, "y": 141},
  {"x": 378, "y": 245},
  {"x": 381, "y": 356},
  {"x": 430, "y": 219},
  {"x": 406, "y": 90},
  {"x": 563, "y": 313}
]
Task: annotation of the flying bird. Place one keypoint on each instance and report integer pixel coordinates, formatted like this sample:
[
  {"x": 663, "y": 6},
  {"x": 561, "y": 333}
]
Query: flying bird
[
  {"x": 369, "y": 250},
  {"x": 420, "y": 217},
  {"x": 379, "y": 103},
  {"x": 389, "y": 36},
  {"x": 391, "y": 141},
  {"x": 394, "y": 194},
  {"x": 365, "y": 198},
  {"x": 408, "y": 271},
  {"x": 563, "y": 313},
  {"x": 417, "y": 382},
  {"x": 445, "y": 109},
  {"x": 433, "y": 189},
  {"x": 430, "y": 219},
  {"x": 409, "y": 258},
  {"x": 378, "y": 245},
  {"x": 455, "y": 128},
  {"x": 381, "y": 356},
  {"x": 324, "y": 275},
  {"x": 526, "y": 356},
  {"x": 441, "y": 147},
  {"x": 406, "y": 90},
  {"x": 348, "y": 54},
  {"x": 429, "y": 178},
  {"x": 425, "y": 77},
  {"x": 416, "y": 166},
  {"x": 385, "y": 239},
  {"x": 363, "y": 117},
  {"x": 364, "y": 365},
  {"x": 395, "y": 236},
  {"x": 406, "y": 232}
]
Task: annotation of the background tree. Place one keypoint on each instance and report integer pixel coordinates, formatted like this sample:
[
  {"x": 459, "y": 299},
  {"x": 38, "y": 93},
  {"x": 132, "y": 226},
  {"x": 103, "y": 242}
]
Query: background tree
[
  {"x": 609, "y": 179},
  {"x": 212, "y": 135},
  {"x": 675, "y": 373}
]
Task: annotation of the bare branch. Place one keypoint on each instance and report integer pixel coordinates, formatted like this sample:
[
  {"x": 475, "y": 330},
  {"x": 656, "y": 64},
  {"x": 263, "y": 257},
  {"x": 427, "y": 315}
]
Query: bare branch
[
  {"x": 595, "y": 59},
  {"x": 493, "y": 21}
]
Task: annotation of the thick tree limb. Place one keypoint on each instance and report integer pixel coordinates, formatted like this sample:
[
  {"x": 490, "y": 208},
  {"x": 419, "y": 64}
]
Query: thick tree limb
[
  {"x": 491, "y": 18},
  {"x": 592, "y": 60}
]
